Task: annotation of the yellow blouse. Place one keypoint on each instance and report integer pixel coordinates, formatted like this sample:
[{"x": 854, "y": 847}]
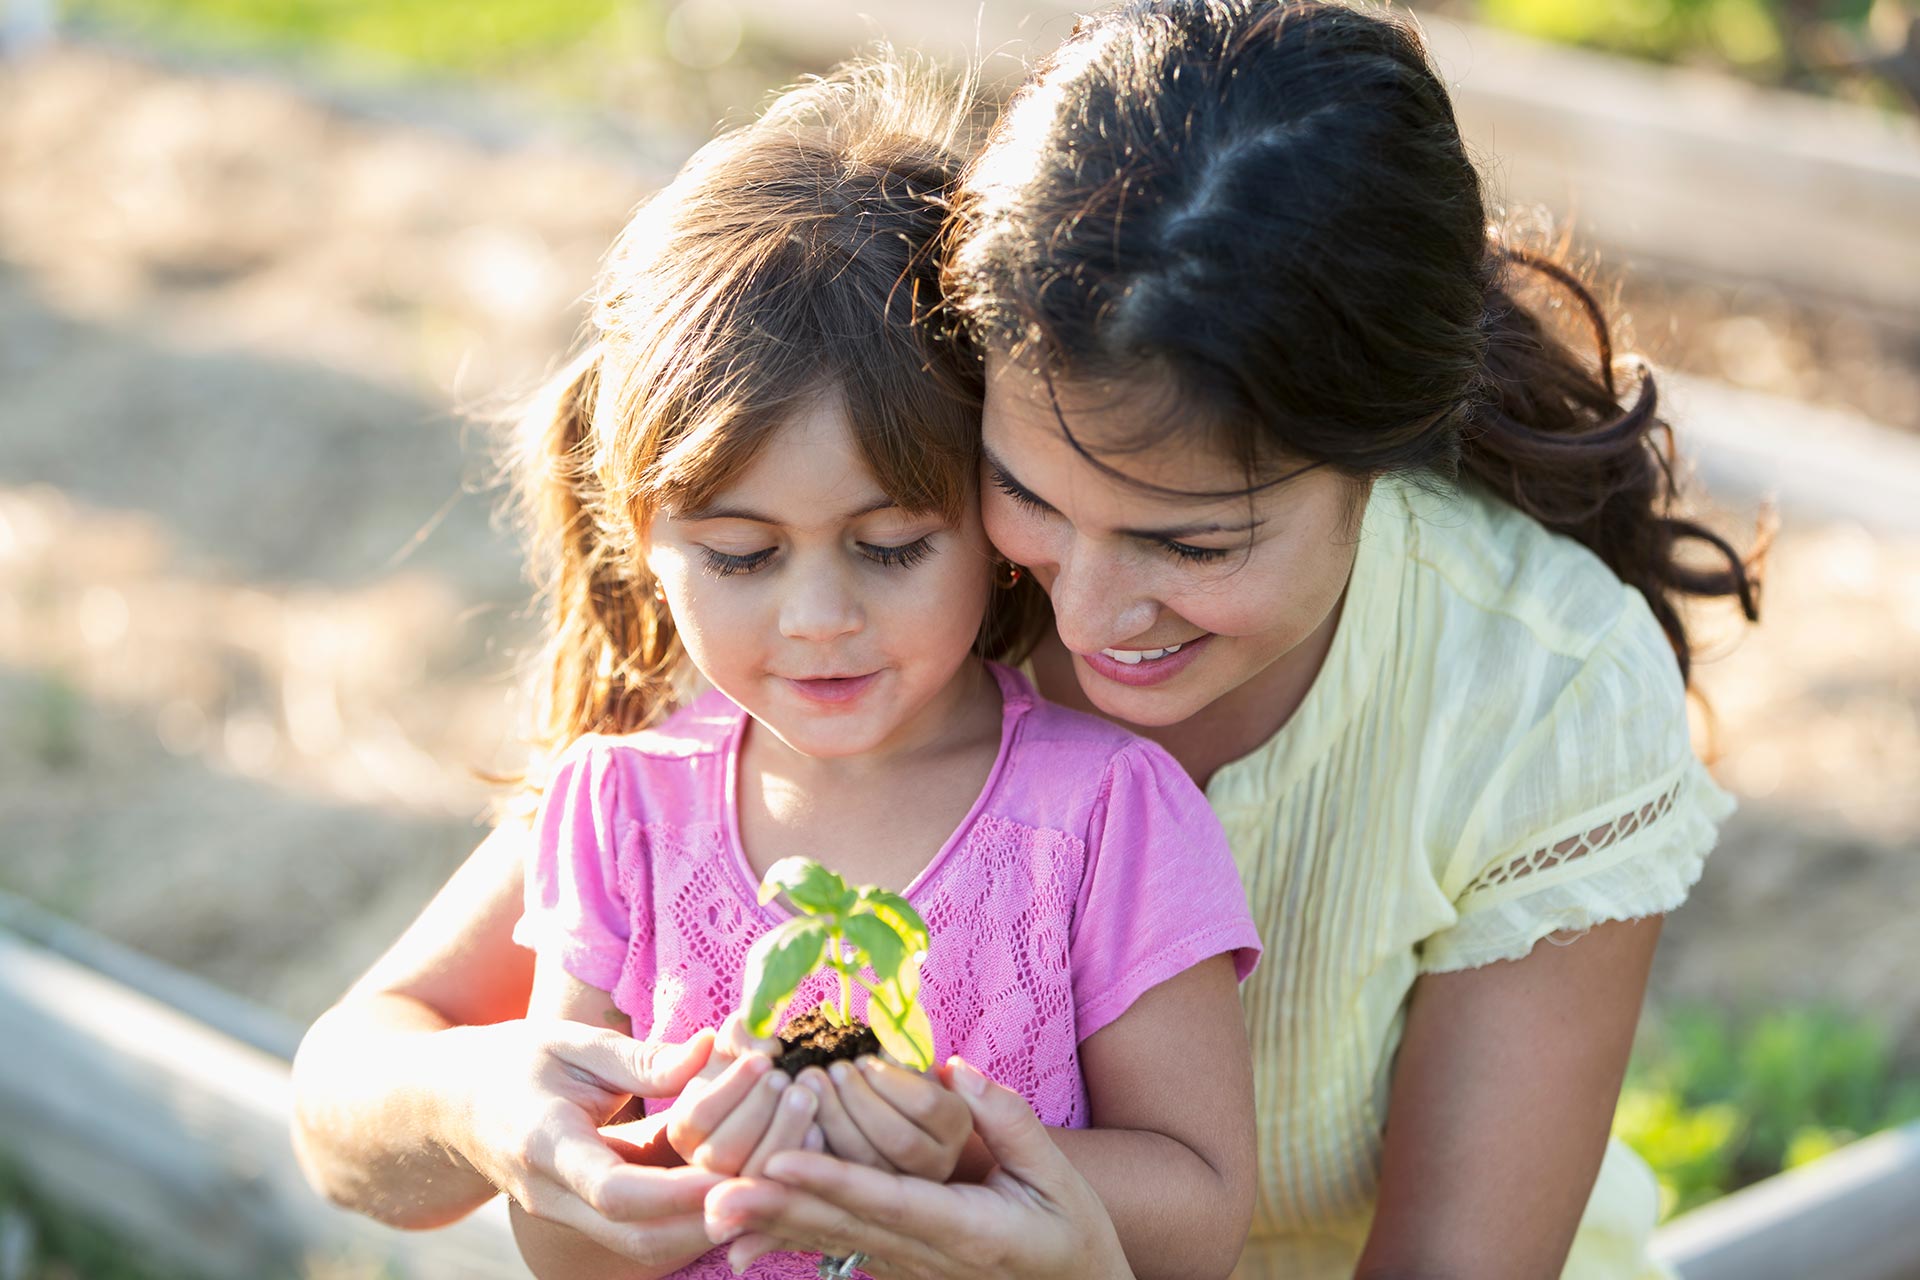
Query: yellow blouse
[{"x": 1496, "y": 750}]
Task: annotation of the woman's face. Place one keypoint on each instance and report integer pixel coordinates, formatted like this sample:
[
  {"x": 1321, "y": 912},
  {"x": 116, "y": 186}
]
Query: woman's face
[{"x": 1168, "y": 603}]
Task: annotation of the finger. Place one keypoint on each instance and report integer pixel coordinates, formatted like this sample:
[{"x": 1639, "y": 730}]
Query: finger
[
  {"x": 800, "y": 1219},
  {"x": 792, "y": 1118},
  {"x": 749, "y": 1249},
  {"x": 728, "y": 1146},
  {"x": 899, "y": 1140},
  {"x": 734, "y": 1039},
  {"x": 1013, "y": 1135},
  {"x": 651, "y": 1243},
  {"x": 843, "y": 1136},
  {"x": 698, "y": 1115},
  {"x": 621, "y": 1064},
  {"x": 926, "y": 1102}
]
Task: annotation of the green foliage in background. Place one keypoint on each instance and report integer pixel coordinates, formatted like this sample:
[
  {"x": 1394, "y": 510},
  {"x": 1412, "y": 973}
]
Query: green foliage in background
[
  {"x": 1758, "y": 37},
  {"x": 1714, "y": 1103},
  {"x": 472, "y": 37},
  {"x": 60, "y": 1245}
]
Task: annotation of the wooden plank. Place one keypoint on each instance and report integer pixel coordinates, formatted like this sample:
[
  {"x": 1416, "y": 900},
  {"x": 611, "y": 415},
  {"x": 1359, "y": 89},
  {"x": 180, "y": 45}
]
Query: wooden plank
[
  {"x": 176, "y": 1136},
  {"x": 1849, "y": 1216}
]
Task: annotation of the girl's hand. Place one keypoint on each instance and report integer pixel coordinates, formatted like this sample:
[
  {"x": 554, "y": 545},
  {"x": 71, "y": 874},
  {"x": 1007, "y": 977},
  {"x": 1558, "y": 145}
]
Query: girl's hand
[
  {"x": 524, "y": 1099},
  {"x": 1033, "y": 1217},
  {"x": 741, "y": 1109},
  {"x": 898, "y": 1121}
]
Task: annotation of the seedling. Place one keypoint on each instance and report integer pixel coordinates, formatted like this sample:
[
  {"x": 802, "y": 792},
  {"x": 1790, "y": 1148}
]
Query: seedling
[{"x": 847, "y": 930}]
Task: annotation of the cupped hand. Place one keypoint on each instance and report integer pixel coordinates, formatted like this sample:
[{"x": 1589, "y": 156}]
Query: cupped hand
[
  {"x": 874, "y": 1113},
  {"x": 1034, "y": 1215},
  {"x": 740, "y": 1109},
  {"x": 526, "y": 1098}
]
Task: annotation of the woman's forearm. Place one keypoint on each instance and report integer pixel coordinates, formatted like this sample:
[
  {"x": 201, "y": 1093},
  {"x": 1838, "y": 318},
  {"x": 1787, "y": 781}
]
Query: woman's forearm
[
  {"x": 556, "y": 1252},
  {"x": 1176, "y": 1215},
  {"x": 373, "y": 1123}
]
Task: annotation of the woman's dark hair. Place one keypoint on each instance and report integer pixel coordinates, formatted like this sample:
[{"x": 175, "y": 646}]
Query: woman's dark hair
[{"x": 1268, "y": 207}]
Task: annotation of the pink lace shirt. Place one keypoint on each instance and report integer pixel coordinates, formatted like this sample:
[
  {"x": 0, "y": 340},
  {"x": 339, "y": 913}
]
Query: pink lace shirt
[{"x": 1089, "y": 870}]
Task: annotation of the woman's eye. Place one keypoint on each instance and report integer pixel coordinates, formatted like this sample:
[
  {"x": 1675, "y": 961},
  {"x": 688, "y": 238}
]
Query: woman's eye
[
  {"x": 904, "y": 556},
  {"x": 1187, "y": 551},
  {"x": 722, "y": 565},
  {"x": 1019, "y": 493}
]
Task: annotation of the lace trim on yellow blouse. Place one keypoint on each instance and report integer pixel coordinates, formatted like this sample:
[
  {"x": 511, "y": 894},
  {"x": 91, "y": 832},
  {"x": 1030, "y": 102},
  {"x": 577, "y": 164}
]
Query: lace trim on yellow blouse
[
  {"x": 1601, "y": 837},
  {"x": 1640, "y": 863}
]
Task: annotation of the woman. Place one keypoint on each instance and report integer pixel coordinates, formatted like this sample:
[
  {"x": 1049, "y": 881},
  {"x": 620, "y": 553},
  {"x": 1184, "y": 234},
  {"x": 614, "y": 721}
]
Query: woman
[{"x": 1326, "y": 510}]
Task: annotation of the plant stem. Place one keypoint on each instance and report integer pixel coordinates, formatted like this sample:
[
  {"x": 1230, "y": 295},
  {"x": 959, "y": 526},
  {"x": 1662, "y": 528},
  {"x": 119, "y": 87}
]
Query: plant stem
[{"x": 846, "y": 988}]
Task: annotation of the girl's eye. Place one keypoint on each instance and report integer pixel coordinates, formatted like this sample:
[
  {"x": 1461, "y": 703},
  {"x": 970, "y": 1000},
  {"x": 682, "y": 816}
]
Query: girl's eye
[
  {"x": 1019, "y": 493},
  {"x": 904, "y": 556},
  {"x": 1187, "y": 551},
  {"x": 722, "y": 565}
]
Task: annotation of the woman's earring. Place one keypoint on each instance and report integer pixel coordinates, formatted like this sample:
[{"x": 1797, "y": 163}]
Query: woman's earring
[
  {"x": 1006, "y": 575},
  {"x": 659, "y": 594}
]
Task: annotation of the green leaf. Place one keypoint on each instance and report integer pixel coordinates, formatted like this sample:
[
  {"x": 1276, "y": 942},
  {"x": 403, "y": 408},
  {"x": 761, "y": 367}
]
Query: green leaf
[
  {"x": 778, "y": 963},
  {"x": 898, "y": 913},
  {"x": 884, "y": 949},
  {"x": 901, "y": 1026},
  {"x": 810, "y": 887}
]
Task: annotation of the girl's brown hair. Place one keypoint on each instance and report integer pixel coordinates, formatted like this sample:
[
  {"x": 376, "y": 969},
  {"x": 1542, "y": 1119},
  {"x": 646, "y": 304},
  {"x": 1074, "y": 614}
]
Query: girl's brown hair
[
  {"x": 794, "y": 257},
  {"x": 1268, "y": 206}
]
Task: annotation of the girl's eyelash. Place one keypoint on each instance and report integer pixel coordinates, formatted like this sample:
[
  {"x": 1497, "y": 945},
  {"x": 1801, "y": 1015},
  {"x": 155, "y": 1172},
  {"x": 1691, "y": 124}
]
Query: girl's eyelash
[
  {"x": 904, "y": 556},
  {"x": 722, "y": 565}
]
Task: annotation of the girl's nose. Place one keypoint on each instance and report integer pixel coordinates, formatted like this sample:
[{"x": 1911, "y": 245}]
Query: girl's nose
[
  {"x": 820, "y": 607},
  {"x": 1096, "y": 603}
]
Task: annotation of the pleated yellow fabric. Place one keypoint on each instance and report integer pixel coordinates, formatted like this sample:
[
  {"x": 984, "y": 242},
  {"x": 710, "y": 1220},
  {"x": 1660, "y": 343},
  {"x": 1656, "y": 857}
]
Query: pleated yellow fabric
[{"x": 1495, "y": 751}]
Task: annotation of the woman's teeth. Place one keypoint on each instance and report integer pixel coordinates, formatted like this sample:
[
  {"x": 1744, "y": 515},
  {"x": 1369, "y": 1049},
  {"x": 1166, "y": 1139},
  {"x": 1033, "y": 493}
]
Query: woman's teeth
[{"x": 1133, "y": 657}]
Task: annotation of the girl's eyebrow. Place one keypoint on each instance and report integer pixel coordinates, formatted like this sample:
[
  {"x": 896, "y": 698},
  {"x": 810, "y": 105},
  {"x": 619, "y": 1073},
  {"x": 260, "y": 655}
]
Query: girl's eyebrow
[
  {"x": 745, "y": 513},
  {"x": 1005, "y": 480}
]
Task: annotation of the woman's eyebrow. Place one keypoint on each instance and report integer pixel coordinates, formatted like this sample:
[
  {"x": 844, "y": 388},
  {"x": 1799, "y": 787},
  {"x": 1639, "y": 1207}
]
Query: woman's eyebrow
[
  {"x": 747, "y": 513},
  {"x": 1005, "y": 479}
]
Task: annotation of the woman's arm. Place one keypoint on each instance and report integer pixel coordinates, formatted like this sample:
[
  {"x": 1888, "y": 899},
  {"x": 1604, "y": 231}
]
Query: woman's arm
[
  {"x": 1171, "y": 1151},
  {"x": 414, "y": 1101},
  {"x": 1503, "y": 1094},
  {"x": 372, "y": 1109}
]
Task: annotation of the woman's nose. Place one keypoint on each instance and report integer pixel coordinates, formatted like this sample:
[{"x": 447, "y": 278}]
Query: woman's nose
[{"x": 1096, "y": 602}]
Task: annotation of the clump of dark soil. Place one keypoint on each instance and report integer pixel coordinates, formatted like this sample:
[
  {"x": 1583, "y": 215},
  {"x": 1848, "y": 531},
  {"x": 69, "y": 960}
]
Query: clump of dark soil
[{"x": 813, "y": 1040}]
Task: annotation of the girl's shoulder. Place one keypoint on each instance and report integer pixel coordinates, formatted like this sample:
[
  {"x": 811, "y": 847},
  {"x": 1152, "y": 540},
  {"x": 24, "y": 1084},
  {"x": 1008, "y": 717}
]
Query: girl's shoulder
[
  {"x": 1068, "y": 759},
  {"x": 675, "y": 762}
]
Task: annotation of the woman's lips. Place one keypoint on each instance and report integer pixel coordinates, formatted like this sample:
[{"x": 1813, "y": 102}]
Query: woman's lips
[
  {"x": 1147, "y": 671},
  {"x": 832, "y": 689}
]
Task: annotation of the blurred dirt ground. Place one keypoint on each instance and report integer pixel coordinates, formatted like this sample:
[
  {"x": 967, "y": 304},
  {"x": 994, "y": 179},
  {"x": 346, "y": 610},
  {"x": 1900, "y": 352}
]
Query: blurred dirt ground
[{"x": 258, "y": 624}]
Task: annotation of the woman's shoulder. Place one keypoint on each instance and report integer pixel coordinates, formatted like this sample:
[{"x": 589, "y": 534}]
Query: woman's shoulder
[{"x": 1483, "y": 561}]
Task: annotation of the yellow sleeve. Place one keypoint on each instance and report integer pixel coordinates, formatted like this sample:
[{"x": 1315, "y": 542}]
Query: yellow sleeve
[{"x": 1600, "y": 811}]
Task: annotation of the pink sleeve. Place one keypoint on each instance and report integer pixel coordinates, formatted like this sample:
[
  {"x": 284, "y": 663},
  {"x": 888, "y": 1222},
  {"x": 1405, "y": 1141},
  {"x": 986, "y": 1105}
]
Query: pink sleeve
[
  {"x": 575, "y": 910},
  {"x": 1160, "y": 892}
]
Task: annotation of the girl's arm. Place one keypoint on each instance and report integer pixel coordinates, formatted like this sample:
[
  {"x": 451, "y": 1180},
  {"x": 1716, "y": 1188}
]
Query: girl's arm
[
  {"x": 1171, "y": 1151},
  {"x": 1503, "y": 1094},
  {"x": 424, "y": 1090}
]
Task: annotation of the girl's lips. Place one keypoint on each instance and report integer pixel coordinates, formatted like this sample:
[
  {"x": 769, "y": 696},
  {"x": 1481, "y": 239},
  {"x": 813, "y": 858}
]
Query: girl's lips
[
  {"x": 833, "y": 689},
  {"x": 1148, "y": 671}
]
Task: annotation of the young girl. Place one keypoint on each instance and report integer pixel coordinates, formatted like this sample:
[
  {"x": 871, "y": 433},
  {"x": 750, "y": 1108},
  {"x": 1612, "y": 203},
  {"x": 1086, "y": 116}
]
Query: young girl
[{"x": 764, "y": 470}]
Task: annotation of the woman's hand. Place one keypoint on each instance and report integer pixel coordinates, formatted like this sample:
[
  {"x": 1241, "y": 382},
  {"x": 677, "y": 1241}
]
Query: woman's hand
[
  {"x": 1033, "y": 1216},
  {"x": 525, "y": 1099},
  {"x": 741, "y": 1109},
  {"x": 891, "y": 1119}
]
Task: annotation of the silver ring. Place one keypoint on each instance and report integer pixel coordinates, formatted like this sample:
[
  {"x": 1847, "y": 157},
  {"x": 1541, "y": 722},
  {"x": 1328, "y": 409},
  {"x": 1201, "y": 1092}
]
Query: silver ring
[{"x": 842, "y": 1268}]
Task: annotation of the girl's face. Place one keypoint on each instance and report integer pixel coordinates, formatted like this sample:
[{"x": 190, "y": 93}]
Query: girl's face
[
  {"x": 1168, "y": 603},
  {"x": 835, "y": 618}
]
